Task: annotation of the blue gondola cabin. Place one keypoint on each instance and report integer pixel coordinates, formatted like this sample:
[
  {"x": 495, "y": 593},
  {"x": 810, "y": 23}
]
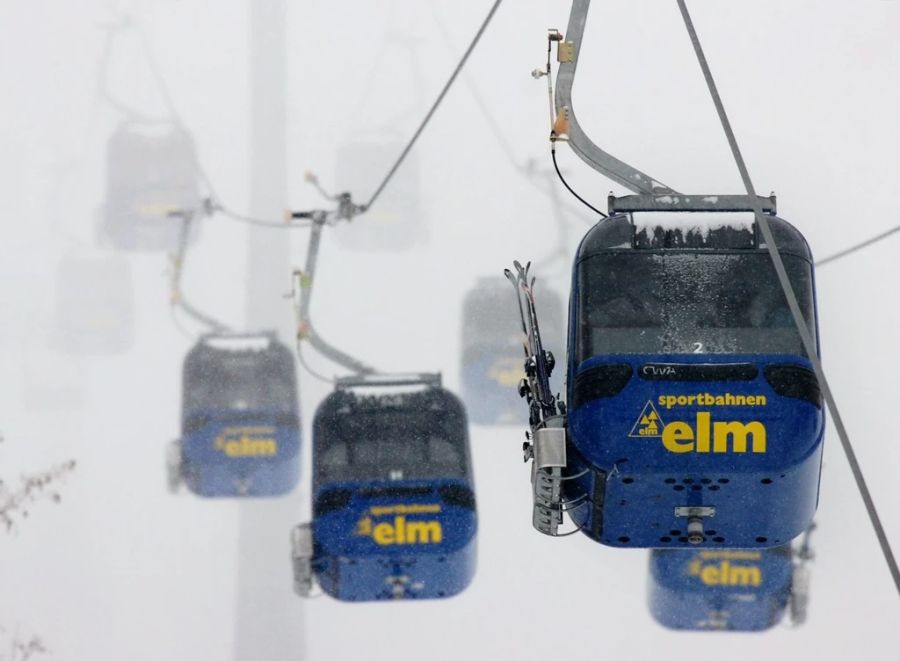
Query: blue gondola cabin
[{"x": 240, "y": 418}]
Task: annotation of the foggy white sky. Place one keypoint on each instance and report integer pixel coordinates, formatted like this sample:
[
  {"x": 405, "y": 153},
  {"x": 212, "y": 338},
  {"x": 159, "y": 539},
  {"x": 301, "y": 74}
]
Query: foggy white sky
[{"x": 122, "y": 570}]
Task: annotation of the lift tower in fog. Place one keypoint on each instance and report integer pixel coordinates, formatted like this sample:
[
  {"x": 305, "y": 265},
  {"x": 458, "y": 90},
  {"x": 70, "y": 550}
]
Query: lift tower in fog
[{"x": 268, "y": 625}]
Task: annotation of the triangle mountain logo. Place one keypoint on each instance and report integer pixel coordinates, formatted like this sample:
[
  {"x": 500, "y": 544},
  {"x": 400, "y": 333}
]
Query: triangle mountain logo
[{"x": 649, "y": 424}]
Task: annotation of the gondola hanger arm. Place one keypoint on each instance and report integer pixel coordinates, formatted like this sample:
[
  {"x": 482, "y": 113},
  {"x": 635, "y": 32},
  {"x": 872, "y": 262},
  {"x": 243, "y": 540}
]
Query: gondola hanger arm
[
  {"x": 565, "y": 124},
  {"x": 345, "y": 210}
]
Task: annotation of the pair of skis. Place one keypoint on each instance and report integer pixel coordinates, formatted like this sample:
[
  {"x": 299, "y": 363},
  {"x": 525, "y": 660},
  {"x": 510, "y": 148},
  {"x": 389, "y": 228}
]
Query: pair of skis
[
  {"x": 546, "y": 445},
  {"x": 535, "y": 387}
]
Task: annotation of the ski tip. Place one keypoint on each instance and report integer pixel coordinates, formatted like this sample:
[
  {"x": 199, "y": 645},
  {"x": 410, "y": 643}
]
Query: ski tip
[{"x": 517, "y": 264}]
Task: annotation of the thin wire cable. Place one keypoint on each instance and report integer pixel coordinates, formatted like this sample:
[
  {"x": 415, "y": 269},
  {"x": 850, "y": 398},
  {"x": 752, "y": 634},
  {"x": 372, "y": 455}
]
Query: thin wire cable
[
  {"x": 434, "y": 106},
  {"x": 175, "y": 116},
  {"x": 493, "y": 125},
  {"x": 805, "y": 335},
  {"x": 313, "y": 373},
  {"x": 859, "y": 246},
  {"x": 569, "y": 188},
  {"x": 178, "y": 325}
]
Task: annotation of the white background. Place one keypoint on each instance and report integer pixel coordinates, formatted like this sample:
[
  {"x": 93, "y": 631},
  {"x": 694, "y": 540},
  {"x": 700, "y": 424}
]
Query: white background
[{"x": 122, "y": 570}]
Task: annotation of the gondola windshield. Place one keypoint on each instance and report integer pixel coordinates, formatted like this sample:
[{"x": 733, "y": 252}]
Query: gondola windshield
[
  {"x": 636, "y": 302},
  {"x": 240, "y": 382},
  {"x": 377, "y": 441}
]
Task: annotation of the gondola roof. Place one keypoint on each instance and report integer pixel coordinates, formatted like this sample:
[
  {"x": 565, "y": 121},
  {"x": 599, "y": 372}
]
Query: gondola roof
[{"x": 619, "y": 232}]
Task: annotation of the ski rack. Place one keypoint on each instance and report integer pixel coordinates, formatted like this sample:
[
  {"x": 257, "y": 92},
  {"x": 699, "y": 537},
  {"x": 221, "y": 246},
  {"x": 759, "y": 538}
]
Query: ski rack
[
  {"x": 546, "y": 441},
  {"x": 305, "y": 331}
]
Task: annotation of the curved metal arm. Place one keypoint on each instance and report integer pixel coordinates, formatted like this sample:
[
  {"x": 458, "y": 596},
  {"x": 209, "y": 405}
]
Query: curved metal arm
[
  {"x": 581, "y": 144},
  {"x": 306, "y": 330},
  {"x": 177, "y": 295}
]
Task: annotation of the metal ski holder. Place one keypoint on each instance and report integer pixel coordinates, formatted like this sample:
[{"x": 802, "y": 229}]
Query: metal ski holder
[
  {"x": 301, "y": 559},
  {"x": 305, "y": 330},
  {"x": 547, "y": 446},
  {"x": 549, "y": 459}
]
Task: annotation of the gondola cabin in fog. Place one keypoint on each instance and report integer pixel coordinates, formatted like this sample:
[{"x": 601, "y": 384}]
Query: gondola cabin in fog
[
  {"x": 151, "y": 170},
  {"x": 240, "y": 418},
  {"x": 694, "y": 415},
  {"x": 725, "y": 589},
  {"x": 492, "y": 349},
  {"x": 393, "y": 496},
  {"x": 94, "y": 306}
]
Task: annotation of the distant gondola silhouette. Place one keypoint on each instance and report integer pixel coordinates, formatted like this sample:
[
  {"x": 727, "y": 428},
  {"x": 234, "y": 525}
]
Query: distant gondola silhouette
[
  {"x": 151, "y": 170},
  {"x": 240, "y": 419},
  {"x": 729, "y": 590},
  {"x": 94, "y": 306},
  {"x": 492, "y": 358}
]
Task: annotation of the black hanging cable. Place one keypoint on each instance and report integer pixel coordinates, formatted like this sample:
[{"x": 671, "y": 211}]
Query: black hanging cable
[
  {"x": 805, "y": 335},
  {"x": 434, "y": 107},
  {"x": 492, "y": 123},
  {"x": 858, "y": 246},
  {"x": 569, "y": 188},
  {"x": 309, "y": 370}
]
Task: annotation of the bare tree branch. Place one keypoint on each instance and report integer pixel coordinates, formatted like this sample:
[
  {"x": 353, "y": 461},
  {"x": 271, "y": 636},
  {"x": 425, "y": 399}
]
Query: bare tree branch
[{"x": 15, "y": 502}]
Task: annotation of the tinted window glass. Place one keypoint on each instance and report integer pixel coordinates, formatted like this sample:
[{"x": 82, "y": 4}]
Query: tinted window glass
[
  {"x": 391, "y": 443},
  {"x": 650, "y": 303},
  {"x": 240, "y": 382}
]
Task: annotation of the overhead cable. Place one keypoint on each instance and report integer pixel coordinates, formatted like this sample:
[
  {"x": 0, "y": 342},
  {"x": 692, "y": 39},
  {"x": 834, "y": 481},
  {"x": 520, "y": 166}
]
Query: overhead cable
[
  {"x": 809, "y": 343},
  {"x": 859, "y": 246},
  {"x": 434, "y": 106}
]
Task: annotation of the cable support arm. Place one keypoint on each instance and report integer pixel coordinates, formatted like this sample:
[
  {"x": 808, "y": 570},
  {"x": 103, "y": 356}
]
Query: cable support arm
[
  {"x": 566, "y": 123},
  {"x": 178, "y": 299},
  {"x": 434, "y": 107},
  {"x": 305, "y": 280}
]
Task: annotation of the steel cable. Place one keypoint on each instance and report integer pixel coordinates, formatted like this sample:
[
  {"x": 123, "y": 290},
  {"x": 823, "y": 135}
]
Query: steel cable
[{"x": 805, "y": 335}]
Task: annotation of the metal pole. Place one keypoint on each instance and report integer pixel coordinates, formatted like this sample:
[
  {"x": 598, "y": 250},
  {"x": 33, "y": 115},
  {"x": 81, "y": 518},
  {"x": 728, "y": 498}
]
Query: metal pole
[{"x": 269, "y": 617}]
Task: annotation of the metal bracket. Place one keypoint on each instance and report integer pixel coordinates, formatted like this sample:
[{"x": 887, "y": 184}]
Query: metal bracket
[
  {"x": 431, "y": 379},
  {"x": 550, "y": 448},
  {"x": 173, "y": 465},
  {"x": 547, "y": 499},
  {"x": 582, "y": 145},
  {"x": 695, "y": 516},
  {"x": 680, "y": 203},
  {"x": 689, "y": 512},
  {"x": 301, "y": 559}
]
